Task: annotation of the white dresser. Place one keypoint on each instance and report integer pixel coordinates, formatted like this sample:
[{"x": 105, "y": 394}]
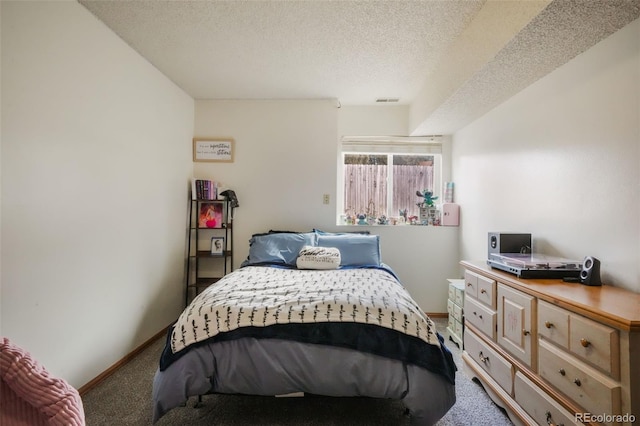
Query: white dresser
[
  {"x": 551, "y": 352},
  {"x": 455, "y": 305}
]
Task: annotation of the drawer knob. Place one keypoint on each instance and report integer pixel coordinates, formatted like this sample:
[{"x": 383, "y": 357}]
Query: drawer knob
[
  {"x": 483, "y": 291},
  {"x": 562, "y": 372},
  {"x": 483, "y": 358},
  {"x": 469, "y": 285},
  {"x": 577, "y": 382},
  {"x": 526, "y": 332},
  {"x": 550, "y": 420},
  {"x": 548, "y": 324},
  {"x": 585, "y": 343}
]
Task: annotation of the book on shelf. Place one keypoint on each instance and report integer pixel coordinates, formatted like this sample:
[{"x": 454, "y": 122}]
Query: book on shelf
[{"x": 203, "y": 189}]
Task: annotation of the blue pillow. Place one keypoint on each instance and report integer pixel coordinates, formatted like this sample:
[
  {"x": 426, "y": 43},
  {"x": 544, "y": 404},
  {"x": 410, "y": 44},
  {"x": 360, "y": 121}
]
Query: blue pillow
[
  {"x": 355, "y": 249},
  {"x": 278, "y": 248},
  {"x": 321, "y": 232}
]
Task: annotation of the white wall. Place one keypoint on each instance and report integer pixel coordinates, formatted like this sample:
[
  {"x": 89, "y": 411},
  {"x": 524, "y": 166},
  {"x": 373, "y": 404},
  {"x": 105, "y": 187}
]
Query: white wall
[
  {"x": 561, "y": 160},
  {"x": 96, "y": 160},
  {"x": 286, "y": 159},
  {"x": 284, "y": 155}
]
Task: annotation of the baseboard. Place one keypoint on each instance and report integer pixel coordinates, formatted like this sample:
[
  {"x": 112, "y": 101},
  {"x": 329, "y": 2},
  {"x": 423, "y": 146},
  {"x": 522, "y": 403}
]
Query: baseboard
[
  {"x": 109, "y": 371},
  {"x": 438, "y": 315}
]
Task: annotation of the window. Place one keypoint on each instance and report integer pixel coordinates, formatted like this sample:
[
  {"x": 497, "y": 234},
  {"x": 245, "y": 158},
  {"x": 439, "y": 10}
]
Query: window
[{"x": 380, "y": 176}]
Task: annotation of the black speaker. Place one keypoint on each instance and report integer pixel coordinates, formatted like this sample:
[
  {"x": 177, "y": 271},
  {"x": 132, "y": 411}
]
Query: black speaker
[
  {"x": 590, "y": 273},
  {"x": 501, "y": 242}
]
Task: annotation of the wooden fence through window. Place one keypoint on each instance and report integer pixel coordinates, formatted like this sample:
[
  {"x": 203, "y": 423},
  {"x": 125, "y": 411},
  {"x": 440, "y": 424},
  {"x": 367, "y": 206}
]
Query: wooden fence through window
[{"x": 365, "y": 188}]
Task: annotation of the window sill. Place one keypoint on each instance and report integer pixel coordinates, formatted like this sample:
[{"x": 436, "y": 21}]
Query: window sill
[{"x": 399, "y": 225}]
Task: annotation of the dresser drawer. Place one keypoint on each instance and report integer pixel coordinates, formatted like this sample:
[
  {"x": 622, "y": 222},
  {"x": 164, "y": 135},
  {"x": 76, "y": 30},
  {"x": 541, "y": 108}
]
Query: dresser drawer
[
  {"x": 590, "y": 389},
  {"x": 487, "y": 292},
  {"x": 499, "y": 368},
  {"x": 540, "y": 406},
  {"x": 451, "y": 323},
  {"x": 595, "y": 343},
  {"x": 553, "y": 324},
  {"x": 517, "y": 324},
  {"x": 471, "y": 284},
  {"x": 450, "y": 308},
  {"x": 480, "y": 316},
  {"x": 456, "y": 291},
  {"x": 455, "y": 331},
  {"x": 459, "y": 296},
  {"x": 457, "y": 312}
]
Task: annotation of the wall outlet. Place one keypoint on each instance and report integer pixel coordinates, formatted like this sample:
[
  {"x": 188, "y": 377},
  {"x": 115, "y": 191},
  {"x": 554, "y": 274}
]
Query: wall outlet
[{"x": 325, "y": 199}]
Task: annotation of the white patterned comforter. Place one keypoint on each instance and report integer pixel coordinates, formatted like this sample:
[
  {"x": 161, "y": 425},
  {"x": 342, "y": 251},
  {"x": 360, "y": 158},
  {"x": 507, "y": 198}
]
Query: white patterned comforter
[{"x": 256, "y": 296}]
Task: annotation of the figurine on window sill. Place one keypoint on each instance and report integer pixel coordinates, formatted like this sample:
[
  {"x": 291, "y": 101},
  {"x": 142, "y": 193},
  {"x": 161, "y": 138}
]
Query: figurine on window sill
[
  {"x": 428, "y": 197},
  {"x": 382, "y": 220}
]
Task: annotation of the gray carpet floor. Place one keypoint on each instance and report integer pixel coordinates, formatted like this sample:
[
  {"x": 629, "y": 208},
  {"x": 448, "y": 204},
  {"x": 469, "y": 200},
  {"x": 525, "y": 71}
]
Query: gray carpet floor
[{"x": 124, "y": 398}]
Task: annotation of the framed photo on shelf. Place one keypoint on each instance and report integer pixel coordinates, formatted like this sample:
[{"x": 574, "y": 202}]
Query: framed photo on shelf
[
  {"x": 210, "y": 214},
  {"x": 217, "y": 245}
]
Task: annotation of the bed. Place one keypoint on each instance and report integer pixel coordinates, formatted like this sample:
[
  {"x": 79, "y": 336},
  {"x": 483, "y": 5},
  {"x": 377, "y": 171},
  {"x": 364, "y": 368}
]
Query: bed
[{"x": 308, "y": 313}]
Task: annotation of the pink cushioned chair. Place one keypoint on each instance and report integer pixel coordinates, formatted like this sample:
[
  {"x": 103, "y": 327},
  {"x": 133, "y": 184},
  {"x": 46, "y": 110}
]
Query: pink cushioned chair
[{"x": 29, "y": 395}]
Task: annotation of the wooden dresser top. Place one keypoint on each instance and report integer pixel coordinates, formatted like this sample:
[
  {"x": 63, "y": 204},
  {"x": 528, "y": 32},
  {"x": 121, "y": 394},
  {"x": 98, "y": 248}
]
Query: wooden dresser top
[{"x": 614, "y": 306}]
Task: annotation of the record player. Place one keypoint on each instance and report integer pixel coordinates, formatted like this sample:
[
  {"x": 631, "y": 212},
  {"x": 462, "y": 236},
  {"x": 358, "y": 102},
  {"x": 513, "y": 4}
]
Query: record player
[{"x": 535, "y": 265}]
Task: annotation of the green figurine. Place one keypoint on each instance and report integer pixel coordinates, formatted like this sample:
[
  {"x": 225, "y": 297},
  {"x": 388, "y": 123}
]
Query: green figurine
[{"x": 428, "y": 197}]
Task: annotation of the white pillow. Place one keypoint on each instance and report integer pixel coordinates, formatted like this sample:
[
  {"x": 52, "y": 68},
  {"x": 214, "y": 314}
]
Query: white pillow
[{"x": 311, "y": 257}]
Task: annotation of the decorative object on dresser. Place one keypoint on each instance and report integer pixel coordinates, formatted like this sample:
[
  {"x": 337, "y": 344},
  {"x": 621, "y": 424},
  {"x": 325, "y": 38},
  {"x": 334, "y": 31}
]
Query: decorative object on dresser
[
  {"x": 551, "y": 352},
  {"x": 455, "y": 310}
]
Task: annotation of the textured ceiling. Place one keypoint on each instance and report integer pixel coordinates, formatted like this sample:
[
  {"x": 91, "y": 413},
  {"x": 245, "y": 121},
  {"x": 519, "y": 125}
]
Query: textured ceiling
[{"x": 451, "y": 61}]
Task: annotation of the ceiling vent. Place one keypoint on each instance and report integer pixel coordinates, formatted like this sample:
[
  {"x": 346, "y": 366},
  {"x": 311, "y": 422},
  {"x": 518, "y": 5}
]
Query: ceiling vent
[{"x": 386, "y": 100}]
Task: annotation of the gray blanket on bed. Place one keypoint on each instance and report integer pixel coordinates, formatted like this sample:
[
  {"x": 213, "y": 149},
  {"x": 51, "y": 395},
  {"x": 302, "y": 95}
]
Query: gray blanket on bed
[{"x": 276, "y": 367}]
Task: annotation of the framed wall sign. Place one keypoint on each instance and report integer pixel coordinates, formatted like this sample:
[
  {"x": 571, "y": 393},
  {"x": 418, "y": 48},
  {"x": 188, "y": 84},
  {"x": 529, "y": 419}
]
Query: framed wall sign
[{"x": 213, "y": 149}]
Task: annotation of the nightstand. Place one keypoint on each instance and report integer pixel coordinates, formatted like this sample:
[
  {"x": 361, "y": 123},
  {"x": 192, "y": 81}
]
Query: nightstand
[{"x": 454, "y": 308}]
